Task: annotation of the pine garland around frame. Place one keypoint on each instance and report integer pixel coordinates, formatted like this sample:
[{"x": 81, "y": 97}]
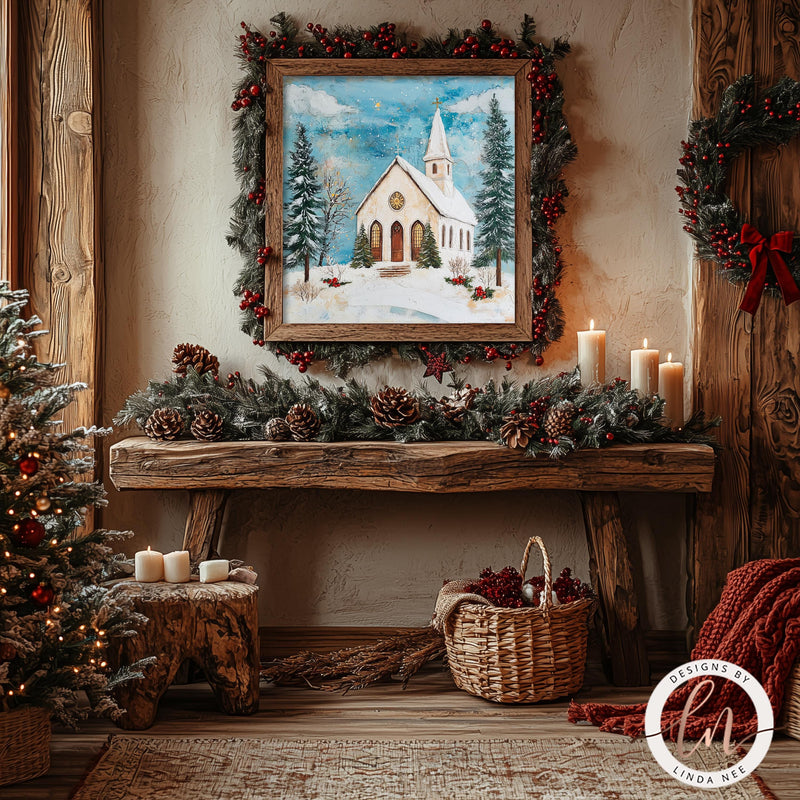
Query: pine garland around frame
[
  {"x": 552, "y": 149},
  {"x": 745, "y": 119}
]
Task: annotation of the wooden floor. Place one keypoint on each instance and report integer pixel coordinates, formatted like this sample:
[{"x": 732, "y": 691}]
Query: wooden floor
[{"x": 430, "y": 708}]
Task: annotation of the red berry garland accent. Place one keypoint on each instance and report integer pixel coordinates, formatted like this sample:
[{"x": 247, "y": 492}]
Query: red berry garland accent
[
  {"x": 258, "y": 195},
  {"x": 298, "y": 359}
]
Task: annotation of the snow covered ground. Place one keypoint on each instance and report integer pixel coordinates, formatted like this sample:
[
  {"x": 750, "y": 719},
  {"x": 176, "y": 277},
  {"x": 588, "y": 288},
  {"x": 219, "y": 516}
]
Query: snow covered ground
[{"x": 421, "y": 296}]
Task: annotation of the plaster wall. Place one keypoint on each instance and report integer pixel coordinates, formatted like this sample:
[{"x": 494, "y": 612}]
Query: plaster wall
[{"x": 348, "y": 558}]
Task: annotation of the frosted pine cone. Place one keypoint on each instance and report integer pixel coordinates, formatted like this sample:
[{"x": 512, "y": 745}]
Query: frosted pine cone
[
  {"x": 393, "y": 408},
  {"x": 193, "y": 355},
  {"x": 458, "y": 403},
  {"x": 207, "y": 426},
  {"x": 164, "y": 424},
  {"x": 303, "y": 423},
  {"x": 277, "y": 430}
]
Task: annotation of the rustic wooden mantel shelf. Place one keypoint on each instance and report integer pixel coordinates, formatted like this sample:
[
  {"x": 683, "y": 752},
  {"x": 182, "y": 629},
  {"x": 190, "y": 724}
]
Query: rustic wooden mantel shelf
[{"x": 210, "y": 471}]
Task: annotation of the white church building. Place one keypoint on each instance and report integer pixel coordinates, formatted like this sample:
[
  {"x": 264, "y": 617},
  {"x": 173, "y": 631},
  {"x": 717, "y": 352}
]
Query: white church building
[{"x": 403, "y": 199}]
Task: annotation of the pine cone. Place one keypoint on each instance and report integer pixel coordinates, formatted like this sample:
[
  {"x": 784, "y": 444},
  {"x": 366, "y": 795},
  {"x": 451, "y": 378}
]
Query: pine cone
[
  {"x": 392, "y": 408},
  {"x": 193, "y": 355},
  {"x": 277, "y": 430},
  {"x": 517, "y": 430},
  {"x": 458, "y": 403},
  {"x": 303, "y": 423},
  {"x": 558, "y": 419},
  {"x": 164, "y": 424},
  {"x": 207, "y": 426}
]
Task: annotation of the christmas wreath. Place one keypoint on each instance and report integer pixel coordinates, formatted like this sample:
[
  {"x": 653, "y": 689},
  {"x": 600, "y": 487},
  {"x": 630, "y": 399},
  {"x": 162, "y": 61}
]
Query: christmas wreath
[
  {"x": 746, "y": 118},
  {"x": 552, "y": 149}
]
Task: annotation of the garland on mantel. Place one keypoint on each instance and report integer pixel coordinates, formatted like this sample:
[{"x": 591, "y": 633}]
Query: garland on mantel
[
  {"x": 746, "y": 118},
  {"x": 552, "y": 416},
  {"x": 551, "y": 150}
]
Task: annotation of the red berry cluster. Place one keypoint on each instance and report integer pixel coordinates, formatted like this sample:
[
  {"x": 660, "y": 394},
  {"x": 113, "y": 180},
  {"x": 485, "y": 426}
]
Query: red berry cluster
[
  {"x": 459, "y": 280},
  {"x": 479, "y": 293},
  {"x": 502, "y": 589},
  {"x": 333, "y": 45},
  {"x": 725, "y": 244},
  {"x": 540, "y": 317},
  {"x": 332, "y": 282},
  {"x": 721, "y": 148},
  {"x": 687, "y": 159},
  {"x": 258, "y": 195},
  {"x": 245, "y": 97},
  {"x": 252, "y": 300},
  {"x": 252, "y": 43},
  {"x": 566, "y": 587},
  {"x": 538, "y": 126},
  {"x": 385, "y": 42},
  {"x": 504, "y": 48},
  {"x": 552, "y": 208},
  {"x": 298, "y": 359},
  {"x": 542, "y": 81},
  {"x": 744, "y": 106},
  {"x": 491, "y": 353},
  {"x": 262, "y": 254}
]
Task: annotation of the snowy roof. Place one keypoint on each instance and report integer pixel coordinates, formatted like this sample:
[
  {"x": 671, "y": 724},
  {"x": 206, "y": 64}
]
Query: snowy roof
[
  {"x": 455, "y": 207},
  {"x": 437, "y": 142}
]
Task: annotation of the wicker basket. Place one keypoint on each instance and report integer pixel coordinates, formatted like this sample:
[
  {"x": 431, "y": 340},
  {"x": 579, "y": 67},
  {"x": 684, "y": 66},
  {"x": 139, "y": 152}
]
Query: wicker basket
[
  {"x": 519, "y": 655},
  {"x": 791, "y": 703},
  {"x": 24, "y": 744}
]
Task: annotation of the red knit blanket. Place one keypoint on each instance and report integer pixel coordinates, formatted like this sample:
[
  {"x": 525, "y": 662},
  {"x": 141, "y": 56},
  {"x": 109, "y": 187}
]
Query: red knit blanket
[{"x": 756, "y": 625}]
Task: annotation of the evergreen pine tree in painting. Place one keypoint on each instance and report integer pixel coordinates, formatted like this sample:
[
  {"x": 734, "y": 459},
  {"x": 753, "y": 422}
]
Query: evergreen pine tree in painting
[
  {"x": 304, "y": 212},
  {"x": 429, "y": 251},
  {"x": 494, "y": 204},
  {"x": 362, "y": 254},
  {"x": 56, "y": 614}
]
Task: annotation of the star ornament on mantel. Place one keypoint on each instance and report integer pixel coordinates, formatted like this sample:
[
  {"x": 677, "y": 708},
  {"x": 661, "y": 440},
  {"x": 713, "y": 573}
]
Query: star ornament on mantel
[{"x": 437, "y": 365}]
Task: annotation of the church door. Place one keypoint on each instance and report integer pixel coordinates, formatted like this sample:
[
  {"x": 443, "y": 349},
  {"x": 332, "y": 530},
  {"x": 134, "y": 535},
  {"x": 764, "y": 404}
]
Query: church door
[{"x": 397, "y": 241}]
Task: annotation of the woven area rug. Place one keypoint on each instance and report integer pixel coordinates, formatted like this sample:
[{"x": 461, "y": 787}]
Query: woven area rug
[{"x": 149, "y": 767}]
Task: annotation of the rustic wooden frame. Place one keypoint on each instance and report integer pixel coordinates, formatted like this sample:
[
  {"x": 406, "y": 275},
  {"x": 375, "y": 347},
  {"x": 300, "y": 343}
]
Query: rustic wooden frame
[{"x": 274, "y": 327}]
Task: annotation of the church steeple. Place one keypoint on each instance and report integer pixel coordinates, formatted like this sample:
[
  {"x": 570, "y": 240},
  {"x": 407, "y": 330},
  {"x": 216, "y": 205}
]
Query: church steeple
[{"x": 438, "y": 161}]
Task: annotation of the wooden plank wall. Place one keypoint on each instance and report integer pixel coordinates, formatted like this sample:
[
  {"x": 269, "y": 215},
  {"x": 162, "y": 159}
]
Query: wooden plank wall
[{"x": 745, "y": 368}]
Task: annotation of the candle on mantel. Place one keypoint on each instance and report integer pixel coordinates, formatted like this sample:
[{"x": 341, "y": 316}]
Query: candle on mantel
[
  {"x": 644, "y": 370},
  {"x": 215, "y": 570},
  {"x": 177, "y": 568},
  {"x": 148, "y": 566},
  {"x": 670, "y": 389},
  {"x": 592, "y": 355}
]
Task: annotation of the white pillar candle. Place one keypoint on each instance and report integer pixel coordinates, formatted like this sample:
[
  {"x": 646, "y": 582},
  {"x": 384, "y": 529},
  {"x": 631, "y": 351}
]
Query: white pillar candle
[
  {"x": 592, "y": 355},
  {"x": 213, "y": 571},
  {"x": 177, "y": 568},
  {"x": 644, "y": 370},
  {"x": 670, "y": 389},
  {"x": 148, "y": 566}
]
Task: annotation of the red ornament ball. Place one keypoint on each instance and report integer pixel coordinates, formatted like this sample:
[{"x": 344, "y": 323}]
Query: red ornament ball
[
  {"x": 610, "y": 437},
  {"x": 43, "y": 595},
  {"x": 29, "y": 533},
  {"x": 486, "y": 24},
  {"x": 539, "y": 361},
  {"x": 29, "y": 466}
]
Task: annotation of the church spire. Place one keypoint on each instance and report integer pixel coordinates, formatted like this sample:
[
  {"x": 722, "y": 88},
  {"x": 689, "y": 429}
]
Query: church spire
[{"x": 438, "y": 161}]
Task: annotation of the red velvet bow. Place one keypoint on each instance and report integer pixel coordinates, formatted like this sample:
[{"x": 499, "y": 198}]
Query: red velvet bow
[{"x": 766, "y": 252}]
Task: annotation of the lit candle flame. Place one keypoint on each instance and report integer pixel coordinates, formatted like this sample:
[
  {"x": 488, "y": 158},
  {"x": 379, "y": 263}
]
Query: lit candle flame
[
  {"x": 644, "y": 345},
  {"x": 669, "y": 357},
  {"x": 591, "y": 324},
  {"x": 148, "y": 547}
]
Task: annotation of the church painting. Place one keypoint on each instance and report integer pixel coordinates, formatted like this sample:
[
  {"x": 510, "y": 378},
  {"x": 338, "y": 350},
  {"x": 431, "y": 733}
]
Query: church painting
[{"x": 398, "y": 199}]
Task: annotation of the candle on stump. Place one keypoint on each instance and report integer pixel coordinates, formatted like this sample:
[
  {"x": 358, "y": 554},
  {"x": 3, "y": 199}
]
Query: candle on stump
[
  {"x": 644, "y": 370},
  {"x": 592, "y": 355},
  {"x": 670, "y": 389},
  {"x": 177, "y": 568},
  {"x": 148, "y": 566},
  {"x": 214, "y": 570}
]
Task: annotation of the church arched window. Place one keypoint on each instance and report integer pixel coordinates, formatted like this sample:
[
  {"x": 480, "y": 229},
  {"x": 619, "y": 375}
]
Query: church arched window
[
  {"x": 461, "y": 239},
  {"x": 468, "y": 247},
  {"x": 376, "y": 240},
  {"x": 448, "y": 169},
  {"x": 451, "y": 237},
  {"x": 416, "y": 239},
  {"x": 444, "y": 234},
  {"x": 434, "y": 170}
]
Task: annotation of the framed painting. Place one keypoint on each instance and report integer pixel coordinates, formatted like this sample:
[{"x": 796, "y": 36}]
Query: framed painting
[{"x": 397, "y": 200}]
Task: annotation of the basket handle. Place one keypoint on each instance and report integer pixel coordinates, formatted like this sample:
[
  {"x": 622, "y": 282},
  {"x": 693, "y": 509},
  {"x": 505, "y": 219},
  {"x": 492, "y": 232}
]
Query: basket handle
[{"x": 548, "y": 577}]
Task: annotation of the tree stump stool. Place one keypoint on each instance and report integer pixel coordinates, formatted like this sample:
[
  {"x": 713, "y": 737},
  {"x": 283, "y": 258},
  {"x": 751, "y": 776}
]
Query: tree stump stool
[{"x": 215, "y": 625}]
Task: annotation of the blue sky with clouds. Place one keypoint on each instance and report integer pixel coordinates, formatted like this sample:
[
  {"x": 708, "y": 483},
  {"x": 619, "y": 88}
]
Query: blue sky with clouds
[{"x": 358, "y": 124}]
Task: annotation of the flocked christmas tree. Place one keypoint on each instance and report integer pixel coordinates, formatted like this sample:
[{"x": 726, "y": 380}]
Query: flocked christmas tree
[
  {"x": 494, "y": 204},
  {"x": 429, "y": 255},
  {"x": 55, "y": 616},
  {"x": 304, "y": 213},
  {"x": 362, "y": 254}
]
